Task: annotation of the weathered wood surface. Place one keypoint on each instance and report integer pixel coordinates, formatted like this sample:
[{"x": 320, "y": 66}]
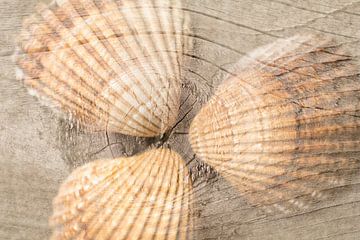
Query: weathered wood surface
[{"x": 38, "y": 150}]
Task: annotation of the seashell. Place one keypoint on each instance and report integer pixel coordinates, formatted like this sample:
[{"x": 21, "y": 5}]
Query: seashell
[
  {"x": 113, "y": 65},
  {"x": 141, "y": 197},
  {"x": 284, "y": 122}
]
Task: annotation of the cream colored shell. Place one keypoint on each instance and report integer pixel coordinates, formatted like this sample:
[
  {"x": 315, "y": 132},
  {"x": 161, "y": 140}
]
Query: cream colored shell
[
  {"x": 113, "y": 65},
  {"x": 274, "y": 127},
  {"x": 147, "y": 196}
]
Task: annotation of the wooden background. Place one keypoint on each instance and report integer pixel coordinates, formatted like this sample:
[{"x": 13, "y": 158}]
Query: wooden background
[{"x": 38, "y": 150}]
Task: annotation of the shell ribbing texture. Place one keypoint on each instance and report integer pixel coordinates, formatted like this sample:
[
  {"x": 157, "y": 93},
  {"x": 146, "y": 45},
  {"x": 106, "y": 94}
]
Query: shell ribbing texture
[
  {"x": 113, "y": 65},
  {"x": 283, "y": 122},
  {"x": 141, "y": 197}
]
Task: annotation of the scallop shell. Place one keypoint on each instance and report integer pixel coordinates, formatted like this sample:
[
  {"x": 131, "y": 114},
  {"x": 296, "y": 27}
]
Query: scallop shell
[
  {"x": 113, "y": 65},
  {"x": 283, "y": 123},
  {"x": 141, "y": 197}
]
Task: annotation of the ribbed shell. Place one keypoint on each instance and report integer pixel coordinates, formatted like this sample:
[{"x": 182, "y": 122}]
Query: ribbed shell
[
  {"x": 142, "y": 197},
  {"x": 114, "y": 65},
  {"x": 283, "y": 122}
]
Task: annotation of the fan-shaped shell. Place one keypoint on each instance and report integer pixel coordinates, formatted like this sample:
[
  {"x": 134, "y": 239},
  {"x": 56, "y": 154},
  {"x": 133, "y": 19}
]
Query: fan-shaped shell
[
  {"x": 283, "y": 122},
  {"x": 142, "y": 197},
  {"x": 114, "y": 65}
]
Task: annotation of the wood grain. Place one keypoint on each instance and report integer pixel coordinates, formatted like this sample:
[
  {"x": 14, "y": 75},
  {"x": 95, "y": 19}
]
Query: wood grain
[{"x": 38, "y": 150}]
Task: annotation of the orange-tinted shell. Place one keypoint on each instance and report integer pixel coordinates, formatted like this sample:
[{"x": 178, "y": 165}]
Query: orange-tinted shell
[
  {"x": 282, "y": 123},
  {"x": 147, "y": 196},
  {"x": 113, "y": 65}
]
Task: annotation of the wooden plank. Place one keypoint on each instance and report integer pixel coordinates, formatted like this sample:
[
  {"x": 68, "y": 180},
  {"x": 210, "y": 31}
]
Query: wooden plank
[{"x": 38, "y": 150}]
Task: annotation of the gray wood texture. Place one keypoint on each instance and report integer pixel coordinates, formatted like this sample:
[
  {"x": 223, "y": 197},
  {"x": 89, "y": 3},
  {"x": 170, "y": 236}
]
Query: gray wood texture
[{"x": 38, "y": 149}]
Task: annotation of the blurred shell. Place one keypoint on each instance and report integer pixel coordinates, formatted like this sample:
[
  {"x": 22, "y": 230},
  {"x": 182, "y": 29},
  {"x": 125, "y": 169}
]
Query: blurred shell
[
  {"x": 285, "y": 122},
  {"x": 142, "y": 197},
  {"x": 113, "y": 65}
]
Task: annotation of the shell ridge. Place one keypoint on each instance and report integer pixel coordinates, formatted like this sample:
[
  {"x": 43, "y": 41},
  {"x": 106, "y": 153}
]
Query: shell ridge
[
  {"x": 146, "y": 38},
  {"x": 102, "y": 189},
  {"x": 161, "y": 223},
  {"x": 115, "y": 216},
  {"x": 130, "y": 50},
  {"x": 104, "y": 54},
  {"x": 68, "y": 34},
  {"x": 153, "y": 199},
  {"x": 93, "y": 10}
]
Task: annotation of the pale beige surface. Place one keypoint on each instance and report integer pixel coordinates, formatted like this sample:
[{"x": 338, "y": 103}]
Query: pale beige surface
[{"x": 37, "y": 150}]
